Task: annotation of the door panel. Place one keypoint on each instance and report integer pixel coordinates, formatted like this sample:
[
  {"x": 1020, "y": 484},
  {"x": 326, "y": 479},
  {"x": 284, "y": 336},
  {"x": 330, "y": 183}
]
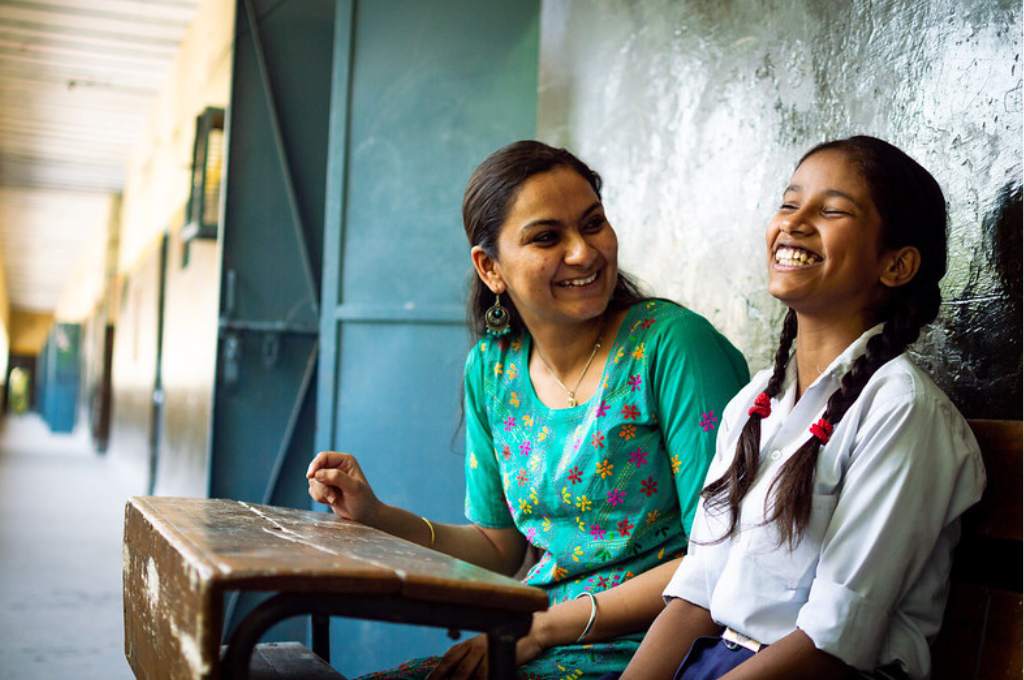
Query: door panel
[
  {"x": 271, "y": 250},
  {"x": 422, "y": 92}
]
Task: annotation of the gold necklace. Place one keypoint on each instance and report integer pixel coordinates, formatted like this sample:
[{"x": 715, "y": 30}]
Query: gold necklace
[{"x": 572, "y": 393}]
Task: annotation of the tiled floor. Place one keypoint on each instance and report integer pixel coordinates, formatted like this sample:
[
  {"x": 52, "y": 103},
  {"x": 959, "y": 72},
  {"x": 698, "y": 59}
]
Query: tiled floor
[{"x": 60, "y": 556}]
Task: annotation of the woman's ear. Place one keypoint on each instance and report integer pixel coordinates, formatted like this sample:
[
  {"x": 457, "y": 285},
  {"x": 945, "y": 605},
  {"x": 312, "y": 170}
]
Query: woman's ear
[
  {"x": 900, "y": 266},
  {"x": 487, "y": 269}
]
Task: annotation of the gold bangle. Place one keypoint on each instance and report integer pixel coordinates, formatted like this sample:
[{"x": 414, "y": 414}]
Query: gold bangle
[{"x": 433, "y": 535}]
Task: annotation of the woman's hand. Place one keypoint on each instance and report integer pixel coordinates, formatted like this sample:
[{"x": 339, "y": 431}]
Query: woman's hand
[
  {"x": 337, "y": 480},
  {"x": 469, "y": 659}
]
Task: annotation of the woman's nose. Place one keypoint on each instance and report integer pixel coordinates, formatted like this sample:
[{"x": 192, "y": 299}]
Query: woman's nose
[{"x": 579, "y": 251}]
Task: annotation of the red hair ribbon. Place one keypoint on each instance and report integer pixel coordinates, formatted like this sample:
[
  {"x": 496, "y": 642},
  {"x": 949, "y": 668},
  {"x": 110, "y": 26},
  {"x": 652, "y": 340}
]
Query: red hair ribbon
[
  {"x": 762, "y": 406},
  {"x": 822, "y": 430}
]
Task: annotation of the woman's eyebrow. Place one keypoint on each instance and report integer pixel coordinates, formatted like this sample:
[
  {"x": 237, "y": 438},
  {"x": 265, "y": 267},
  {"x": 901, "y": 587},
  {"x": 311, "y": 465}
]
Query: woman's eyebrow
[
  {"x": 596, "y": 205},
  {"x": 552, "y": 222},
  {"x": 542, "y": 222}
]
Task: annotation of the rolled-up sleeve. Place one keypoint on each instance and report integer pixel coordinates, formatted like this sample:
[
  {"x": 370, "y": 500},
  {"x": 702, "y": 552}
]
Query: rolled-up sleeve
[
  {"x": 697, "y": 575},
  {"x": 693, "y": 580},
  {"x": 914, "y": 469}
]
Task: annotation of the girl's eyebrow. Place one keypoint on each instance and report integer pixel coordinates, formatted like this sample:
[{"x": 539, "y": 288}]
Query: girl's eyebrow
[
  {"x": 552, "y": 222},
  {"x": 828, "y": 192}
]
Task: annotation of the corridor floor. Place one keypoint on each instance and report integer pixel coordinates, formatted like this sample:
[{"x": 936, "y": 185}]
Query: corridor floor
[{"x": 60, "y": 556}]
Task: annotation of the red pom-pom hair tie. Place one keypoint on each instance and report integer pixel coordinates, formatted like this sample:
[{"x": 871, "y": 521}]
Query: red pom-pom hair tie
[
  {"x": 822, "y": 430},
  {"x": 762, "y": 406}
]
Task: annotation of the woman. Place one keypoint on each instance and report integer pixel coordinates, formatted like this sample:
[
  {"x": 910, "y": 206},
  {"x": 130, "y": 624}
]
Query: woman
[{"x": 590, "y": 422}]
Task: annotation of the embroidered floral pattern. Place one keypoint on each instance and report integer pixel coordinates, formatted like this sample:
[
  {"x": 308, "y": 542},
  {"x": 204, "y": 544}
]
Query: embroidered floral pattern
[
  {"x": 594, "y": 489},
  {"x": 649, "y": 486},
  {"x": 638, "y": 457}
]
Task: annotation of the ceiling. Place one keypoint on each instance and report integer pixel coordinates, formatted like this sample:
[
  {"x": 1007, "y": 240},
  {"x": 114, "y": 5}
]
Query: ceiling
[{"x": 77, "y": 81}]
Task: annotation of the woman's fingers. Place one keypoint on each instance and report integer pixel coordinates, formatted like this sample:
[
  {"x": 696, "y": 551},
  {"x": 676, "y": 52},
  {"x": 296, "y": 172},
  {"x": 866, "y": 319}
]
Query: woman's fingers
[
  {"x": 450, "y": 661},
  {"x": 465, "y": 660},
  {"x": 339, "y": 478},
  {"x": 335, "y": 460},
  {"x": 322, "y": 493}
]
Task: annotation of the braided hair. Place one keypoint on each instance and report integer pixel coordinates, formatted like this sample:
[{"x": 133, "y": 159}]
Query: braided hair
[{"x": 913, "y": 213}]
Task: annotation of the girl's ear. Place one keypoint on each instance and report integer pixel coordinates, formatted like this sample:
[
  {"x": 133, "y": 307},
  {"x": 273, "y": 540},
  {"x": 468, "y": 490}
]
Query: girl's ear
[
  {"x": 900, "y": 266},
  {"x": 487, "y": 269}
]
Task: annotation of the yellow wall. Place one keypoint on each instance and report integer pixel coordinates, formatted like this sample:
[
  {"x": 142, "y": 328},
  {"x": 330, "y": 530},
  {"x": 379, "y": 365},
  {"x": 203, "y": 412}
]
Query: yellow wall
[
  {"x": 29, "y": 330},
  {"x": 88, "y": 281},
  {"x": 157, "y": 184},
  {"x": 5, "y": 323}
]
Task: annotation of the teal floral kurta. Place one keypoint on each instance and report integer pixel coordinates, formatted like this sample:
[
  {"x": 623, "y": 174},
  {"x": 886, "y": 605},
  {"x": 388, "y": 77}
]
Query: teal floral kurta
[{"x": 605, "y": 490}]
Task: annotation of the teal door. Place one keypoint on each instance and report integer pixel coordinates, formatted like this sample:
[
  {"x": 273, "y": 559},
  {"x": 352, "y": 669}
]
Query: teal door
[
  {"x": 271, "y": 251},
  {"x": 422, "y": 92}
]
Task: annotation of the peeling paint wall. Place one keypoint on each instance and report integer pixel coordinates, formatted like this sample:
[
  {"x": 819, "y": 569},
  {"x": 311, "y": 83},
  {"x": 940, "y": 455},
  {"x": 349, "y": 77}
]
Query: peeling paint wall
[{"x": 695, "y": 112}]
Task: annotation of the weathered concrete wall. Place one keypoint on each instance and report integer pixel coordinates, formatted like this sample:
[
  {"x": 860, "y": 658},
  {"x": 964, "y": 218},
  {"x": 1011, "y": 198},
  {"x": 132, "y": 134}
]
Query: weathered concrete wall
[{"x": 695, "y": 113}]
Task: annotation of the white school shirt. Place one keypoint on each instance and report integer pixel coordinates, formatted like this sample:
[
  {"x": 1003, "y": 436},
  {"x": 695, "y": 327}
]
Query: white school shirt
[{"x": 868, "y": 581}]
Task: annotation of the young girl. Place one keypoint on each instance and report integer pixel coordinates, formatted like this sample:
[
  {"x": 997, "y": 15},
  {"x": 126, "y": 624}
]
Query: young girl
[{"x": 821, "y": 547}]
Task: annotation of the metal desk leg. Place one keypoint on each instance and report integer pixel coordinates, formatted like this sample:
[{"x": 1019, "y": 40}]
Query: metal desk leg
[
  {"x": 501, "y": 654},
  {"x": 322, "y": 636}
]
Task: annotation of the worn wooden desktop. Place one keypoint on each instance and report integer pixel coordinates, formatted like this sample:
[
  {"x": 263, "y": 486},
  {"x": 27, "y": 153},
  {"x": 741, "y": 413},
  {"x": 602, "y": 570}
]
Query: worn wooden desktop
[{"x": 182, "y": 555}]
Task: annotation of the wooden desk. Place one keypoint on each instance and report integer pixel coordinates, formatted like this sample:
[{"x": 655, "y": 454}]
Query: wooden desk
[{"x": 181, "y": 555}]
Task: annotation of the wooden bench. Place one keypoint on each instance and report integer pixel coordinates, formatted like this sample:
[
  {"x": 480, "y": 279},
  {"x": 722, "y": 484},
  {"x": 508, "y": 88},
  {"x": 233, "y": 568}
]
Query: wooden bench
[
  {"x": 182, "y": 555},
  {"x": 982, "y": 628}
]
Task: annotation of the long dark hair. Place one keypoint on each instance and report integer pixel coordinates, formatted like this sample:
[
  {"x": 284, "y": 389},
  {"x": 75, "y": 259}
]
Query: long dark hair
[
  {"x": 913, "y": 213},
  {"x": 491, "y": 190}
]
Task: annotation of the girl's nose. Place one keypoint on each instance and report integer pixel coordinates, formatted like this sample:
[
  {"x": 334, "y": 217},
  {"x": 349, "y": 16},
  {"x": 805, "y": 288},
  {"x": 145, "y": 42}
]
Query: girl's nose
[{"x": 794, "y": 223}]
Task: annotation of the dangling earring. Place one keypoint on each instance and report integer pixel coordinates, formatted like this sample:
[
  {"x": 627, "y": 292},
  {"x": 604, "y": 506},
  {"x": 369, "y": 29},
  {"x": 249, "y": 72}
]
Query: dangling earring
[{"x": 496, "y": 320}]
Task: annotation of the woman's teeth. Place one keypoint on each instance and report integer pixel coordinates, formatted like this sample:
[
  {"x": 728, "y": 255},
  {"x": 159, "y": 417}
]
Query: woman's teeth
[
  {"x": 795, "y": 257},
  {"x": 579, "y": 283}
]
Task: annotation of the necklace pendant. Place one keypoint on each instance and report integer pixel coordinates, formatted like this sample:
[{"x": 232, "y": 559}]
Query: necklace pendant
[{"x": 572, "y": 400}]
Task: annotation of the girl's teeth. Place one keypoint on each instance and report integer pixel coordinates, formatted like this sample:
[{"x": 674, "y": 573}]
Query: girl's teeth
[{"x": 794, "y": 257}]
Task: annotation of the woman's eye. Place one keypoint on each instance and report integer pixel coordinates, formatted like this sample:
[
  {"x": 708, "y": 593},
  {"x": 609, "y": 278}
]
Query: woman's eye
[
  {"x": 594, "y": 225},
  {"x": 834, "y": 213},
  {"x": 545, "y": 238},
  {"x": 787, "y": 206}
]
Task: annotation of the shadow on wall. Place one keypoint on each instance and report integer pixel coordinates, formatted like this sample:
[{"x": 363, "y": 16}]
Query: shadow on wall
[{"x": 982, "y": 357}]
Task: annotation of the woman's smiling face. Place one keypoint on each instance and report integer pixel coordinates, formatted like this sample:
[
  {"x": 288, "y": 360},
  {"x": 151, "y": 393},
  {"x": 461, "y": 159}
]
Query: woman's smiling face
[
  {"x": 824, "y": 243},
  {"x": 557, "y": 255}
]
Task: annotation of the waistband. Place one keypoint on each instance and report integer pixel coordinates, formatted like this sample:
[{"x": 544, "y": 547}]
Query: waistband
[{"x": 729, "y": 635}]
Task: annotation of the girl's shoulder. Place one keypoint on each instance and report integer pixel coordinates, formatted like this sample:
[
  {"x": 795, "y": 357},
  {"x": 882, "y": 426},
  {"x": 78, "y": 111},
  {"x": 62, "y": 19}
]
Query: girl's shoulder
[
  {"x": 901, "y": 382},
  {"x": 902, "y": 394}
]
